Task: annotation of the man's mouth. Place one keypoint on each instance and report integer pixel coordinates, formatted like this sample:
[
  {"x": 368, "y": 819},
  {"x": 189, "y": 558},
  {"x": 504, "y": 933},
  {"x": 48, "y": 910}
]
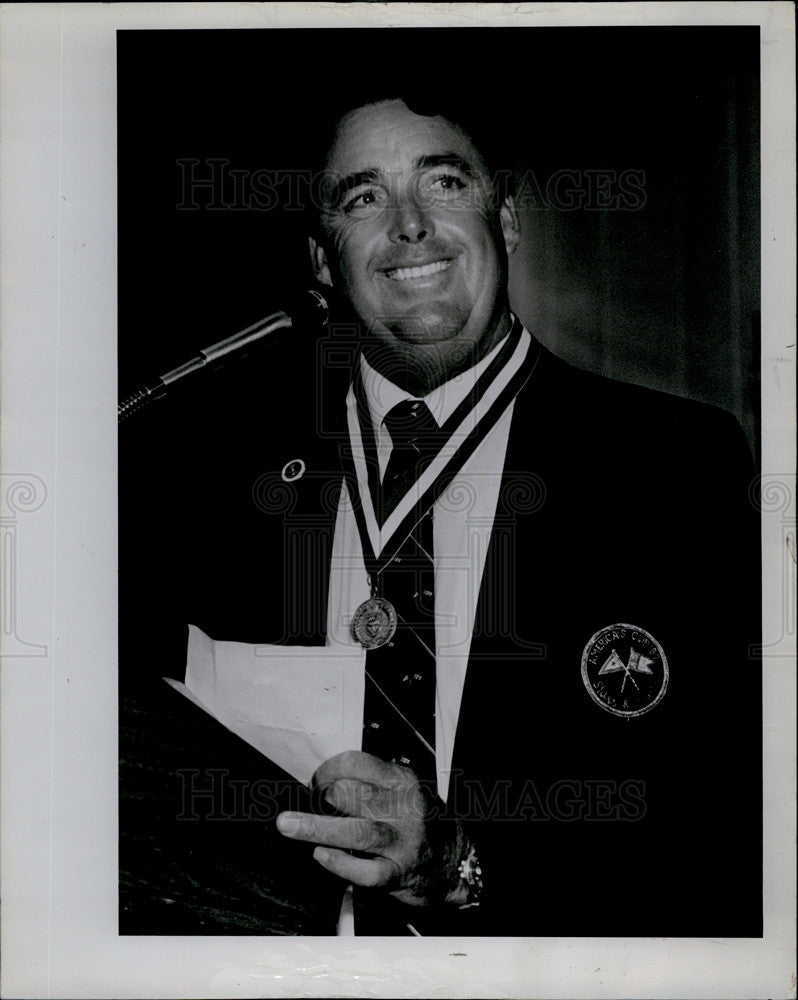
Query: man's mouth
[{"x": 420, "y": 271}]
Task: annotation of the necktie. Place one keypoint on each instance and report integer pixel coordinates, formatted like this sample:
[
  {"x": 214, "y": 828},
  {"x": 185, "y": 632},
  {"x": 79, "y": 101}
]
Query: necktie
[{"x": 399, "y": 706}]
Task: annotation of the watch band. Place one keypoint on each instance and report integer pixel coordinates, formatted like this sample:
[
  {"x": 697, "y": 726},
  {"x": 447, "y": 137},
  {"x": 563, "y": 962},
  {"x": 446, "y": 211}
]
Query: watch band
[{"x": 470, "y": 871}]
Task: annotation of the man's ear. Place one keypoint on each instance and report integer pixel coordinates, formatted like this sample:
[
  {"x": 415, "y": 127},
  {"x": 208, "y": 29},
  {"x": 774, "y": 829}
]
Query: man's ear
[
  {"x": 318, "y": 257},
  {"x": 508, "y": 219}
]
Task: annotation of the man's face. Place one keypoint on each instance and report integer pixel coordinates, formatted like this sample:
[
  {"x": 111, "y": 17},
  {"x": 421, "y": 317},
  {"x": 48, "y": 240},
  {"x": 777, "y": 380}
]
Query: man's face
[{"x": 411, "y": 237}]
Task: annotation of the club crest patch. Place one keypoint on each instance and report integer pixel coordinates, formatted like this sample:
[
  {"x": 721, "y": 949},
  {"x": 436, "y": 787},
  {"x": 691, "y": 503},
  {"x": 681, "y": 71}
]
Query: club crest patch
[{"x": 625, "y": 670}]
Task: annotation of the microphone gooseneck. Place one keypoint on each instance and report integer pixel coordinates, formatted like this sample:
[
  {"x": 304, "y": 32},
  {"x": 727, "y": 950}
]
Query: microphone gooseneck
[{"x": 310, "y": 309}]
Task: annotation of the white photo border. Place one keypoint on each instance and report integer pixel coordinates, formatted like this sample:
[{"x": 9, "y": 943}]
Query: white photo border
[{"x": 58, "y": 322}]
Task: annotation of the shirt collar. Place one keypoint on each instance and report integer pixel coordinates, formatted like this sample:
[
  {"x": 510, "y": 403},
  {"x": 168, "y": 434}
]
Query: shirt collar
[{"x": 382, "y": 394}]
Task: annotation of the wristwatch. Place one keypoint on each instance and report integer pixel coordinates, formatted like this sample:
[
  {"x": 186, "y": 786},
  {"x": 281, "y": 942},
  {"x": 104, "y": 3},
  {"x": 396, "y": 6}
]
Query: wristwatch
[{"x": 469, "y": 890}]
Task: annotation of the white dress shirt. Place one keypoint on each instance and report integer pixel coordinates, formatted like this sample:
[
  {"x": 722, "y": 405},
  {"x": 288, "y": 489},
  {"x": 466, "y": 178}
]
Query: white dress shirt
[
  {"x": 462, "y": 524},
  {"x": 217, "y": 673}
]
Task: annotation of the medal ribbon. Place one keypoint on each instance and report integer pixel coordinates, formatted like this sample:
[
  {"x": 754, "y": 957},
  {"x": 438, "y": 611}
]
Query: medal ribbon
[{"x": 460, "y": 436}]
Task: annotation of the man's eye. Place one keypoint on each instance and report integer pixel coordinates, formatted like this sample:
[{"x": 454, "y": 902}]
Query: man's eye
[
  {"x": 362, "y": 201},
  {"x": 448, "y": 182},
  {"x": 443, "y": 185}
]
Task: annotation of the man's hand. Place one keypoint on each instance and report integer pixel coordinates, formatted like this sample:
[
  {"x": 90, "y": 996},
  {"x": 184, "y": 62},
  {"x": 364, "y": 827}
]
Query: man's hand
[{"x": 389, "y": 817}]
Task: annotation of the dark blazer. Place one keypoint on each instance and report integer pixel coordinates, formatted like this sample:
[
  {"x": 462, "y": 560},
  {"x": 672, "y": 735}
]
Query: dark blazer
[{"x": 618, "y": 505}]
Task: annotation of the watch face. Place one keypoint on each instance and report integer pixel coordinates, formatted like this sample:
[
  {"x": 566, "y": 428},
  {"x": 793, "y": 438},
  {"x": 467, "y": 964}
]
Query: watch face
[{"x": 625, "y": 670}]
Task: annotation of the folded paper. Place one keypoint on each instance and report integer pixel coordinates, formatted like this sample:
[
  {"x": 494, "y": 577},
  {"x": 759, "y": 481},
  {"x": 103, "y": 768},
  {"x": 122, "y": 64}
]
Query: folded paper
[{"x": 297, "y": 705}]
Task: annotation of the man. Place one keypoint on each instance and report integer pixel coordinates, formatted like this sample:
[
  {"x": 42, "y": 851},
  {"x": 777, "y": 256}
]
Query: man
[
  {"x": 410, "y": 234},
  {"x": 561, "y": 708}
]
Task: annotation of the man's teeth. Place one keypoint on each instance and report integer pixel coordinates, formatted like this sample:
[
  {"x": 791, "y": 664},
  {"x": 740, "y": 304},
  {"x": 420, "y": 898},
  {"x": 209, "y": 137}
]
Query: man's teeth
[{"x": 403, "y": 273}]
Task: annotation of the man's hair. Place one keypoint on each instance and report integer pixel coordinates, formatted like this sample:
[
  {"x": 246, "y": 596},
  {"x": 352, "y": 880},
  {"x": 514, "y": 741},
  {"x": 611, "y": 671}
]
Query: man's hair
[{"x": 483, "y": 129}]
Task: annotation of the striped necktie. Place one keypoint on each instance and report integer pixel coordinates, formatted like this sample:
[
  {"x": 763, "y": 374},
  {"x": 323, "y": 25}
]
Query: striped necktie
[{"x": 399, "y": 705}]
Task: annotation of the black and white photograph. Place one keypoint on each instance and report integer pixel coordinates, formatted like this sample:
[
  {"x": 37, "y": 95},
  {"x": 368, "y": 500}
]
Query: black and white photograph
[
  {"x": 421, "y": 522},
  {"x": 518, "y": 666}
]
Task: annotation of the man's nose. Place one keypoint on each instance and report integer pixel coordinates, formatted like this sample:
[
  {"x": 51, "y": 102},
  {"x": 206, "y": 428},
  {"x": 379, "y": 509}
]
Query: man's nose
[{"x": 409, "y": 222}]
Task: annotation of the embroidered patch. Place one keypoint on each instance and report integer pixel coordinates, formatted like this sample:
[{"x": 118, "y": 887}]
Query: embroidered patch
[{"x": 625, "y": 670}]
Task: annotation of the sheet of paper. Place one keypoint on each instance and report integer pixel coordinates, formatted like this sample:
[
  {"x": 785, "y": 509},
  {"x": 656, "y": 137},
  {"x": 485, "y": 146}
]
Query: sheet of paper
[{"x": 297, "y": 705}]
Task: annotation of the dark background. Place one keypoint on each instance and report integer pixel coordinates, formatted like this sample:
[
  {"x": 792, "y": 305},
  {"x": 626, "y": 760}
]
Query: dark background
[{"x": 666, "y": 295}]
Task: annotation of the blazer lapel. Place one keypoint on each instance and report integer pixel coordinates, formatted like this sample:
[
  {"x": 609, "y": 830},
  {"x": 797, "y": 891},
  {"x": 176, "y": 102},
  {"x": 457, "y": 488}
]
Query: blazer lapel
[{"x": 511, "y": 645}]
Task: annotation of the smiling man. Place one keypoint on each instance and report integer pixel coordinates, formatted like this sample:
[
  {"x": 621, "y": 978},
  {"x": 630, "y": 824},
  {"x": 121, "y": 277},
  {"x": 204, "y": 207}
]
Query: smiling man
[
  {"x": 410, "y": 235},
  {"x": 545, "y": 584},
  {"x": 413, "y": 240},
  {"x": 519, "y": 647}
]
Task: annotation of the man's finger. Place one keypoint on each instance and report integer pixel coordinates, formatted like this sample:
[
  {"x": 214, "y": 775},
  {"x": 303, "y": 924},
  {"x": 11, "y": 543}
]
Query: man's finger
[
  {"x": 359, "y": 766},
  {"x": 338, "y": 831},
  {"x": 357, "y": 798},
  {"x": 368, "y": 872}
]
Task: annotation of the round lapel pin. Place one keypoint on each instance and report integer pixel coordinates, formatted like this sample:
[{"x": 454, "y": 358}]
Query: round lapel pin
[
  {"x": 293, "y": 470},
  {"x": 624, "y": 670}
]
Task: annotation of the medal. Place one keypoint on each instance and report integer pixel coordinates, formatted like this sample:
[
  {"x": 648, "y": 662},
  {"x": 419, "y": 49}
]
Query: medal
[{"x": 374, "y": 623}]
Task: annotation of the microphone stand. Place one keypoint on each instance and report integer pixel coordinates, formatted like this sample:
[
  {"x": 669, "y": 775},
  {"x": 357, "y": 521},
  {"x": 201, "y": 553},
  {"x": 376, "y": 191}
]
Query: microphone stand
[{"x": 318, "y": 313}]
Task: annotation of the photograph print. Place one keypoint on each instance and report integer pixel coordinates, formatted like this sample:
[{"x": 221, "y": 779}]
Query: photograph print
[{"x": 439, "y": 545}]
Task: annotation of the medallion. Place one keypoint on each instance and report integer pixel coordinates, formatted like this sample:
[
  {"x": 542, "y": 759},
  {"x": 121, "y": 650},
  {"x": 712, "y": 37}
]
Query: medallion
[{"x": 374, "y": 623}]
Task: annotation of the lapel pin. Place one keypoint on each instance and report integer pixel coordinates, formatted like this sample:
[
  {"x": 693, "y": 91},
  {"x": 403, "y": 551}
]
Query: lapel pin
[{"x": 293, "y": 470}]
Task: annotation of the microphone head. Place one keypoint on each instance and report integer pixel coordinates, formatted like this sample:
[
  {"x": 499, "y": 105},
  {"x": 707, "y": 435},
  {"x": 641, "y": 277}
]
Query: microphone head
[{"x": 310, "y": 309}]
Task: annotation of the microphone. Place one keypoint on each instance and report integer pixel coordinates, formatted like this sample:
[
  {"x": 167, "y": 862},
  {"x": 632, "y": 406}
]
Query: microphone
[{"x": 310, "y": 309}]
